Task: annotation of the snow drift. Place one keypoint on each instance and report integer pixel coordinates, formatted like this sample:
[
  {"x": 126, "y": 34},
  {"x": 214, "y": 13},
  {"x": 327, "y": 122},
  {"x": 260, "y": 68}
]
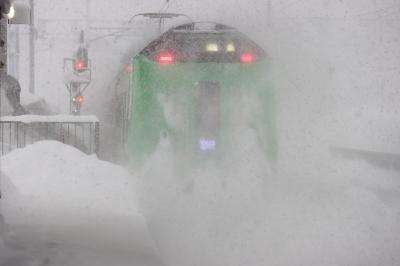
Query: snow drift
[{"x": 53, "y": 192}]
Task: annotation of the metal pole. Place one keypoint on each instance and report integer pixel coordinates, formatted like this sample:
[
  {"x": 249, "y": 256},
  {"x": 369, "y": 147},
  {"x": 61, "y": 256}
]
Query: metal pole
[
  {"x": 3, "y": 47},
  {"x": 18, "y": 48},
  {"x": 3, "y": 52},
  {"x": 269, "y": 13},
  {"x": 88, "y": 15},
  {"x": 97, "y": 138},
  {"x": 32, "y": 49}
]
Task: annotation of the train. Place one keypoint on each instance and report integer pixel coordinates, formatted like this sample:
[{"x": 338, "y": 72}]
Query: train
[{"x": 195, "y": 87}]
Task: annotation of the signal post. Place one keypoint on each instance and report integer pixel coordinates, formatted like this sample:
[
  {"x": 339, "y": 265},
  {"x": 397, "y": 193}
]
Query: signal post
[{"x": 77, "y": 76}]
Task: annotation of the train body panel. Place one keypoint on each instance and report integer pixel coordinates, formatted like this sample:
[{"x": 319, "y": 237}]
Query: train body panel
[{"x": 168, "y": 101}]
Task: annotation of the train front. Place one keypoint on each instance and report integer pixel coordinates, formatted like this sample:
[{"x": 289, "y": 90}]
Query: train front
[{"x": 198, "y": 88}]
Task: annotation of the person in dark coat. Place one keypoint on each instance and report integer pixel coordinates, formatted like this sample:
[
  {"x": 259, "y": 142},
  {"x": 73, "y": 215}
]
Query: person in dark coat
[
  {"x": 11, "y": 89},
  {"x": 5, "y": 6}
]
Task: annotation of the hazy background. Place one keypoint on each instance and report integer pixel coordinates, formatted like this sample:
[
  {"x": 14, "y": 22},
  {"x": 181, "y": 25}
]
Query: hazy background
[
  {"x": 334, "y": 60},
  {"x": 336, "y": 69}
]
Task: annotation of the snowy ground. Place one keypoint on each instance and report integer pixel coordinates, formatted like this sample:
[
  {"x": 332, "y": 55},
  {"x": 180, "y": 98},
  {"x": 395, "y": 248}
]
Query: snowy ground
[
  {"x": 316, "y": 211},
  {"x": 63, "y": 207},
  {"x": 66, "y": 208}
]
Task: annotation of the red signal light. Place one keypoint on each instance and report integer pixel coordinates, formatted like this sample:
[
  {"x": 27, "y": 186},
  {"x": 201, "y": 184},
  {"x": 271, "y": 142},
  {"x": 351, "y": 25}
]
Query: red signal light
[
  {"x": 246, "y": 58},
  {"x": 80, "y": 65},
  {"x": 79, "y": 99},
  {"x": 166, "y": 58}
]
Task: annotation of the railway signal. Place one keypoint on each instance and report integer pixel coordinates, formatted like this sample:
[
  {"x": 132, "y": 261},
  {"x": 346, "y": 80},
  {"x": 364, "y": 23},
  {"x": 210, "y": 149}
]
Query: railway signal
[
  {"x": 77, "y": 75},
  {"x": 76, "y": 103},
  {"x": 79, "y": 99},
  {"x": 81, "y": 60}
]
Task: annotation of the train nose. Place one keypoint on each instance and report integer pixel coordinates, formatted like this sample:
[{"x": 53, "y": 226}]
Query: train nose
[{"x": 207, "y": 120}]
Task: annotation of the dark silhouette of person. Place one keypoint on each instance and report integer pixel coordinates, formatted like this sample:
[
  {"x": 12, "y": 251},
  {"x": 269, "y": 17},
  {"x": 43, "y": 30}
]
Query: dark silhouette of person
[
  {"x": 12, "y": 90},
  {"x": 5, "y": 6}
]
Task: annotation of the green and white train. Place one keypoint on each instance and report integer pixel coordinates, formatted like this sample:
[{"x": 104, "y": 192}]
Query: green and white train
[{"x": 193, "y": 87}]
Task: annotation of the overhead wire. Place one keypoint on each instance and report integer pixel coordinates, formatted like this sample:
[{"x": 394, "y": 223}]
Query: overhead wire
[
  {"x": 374, "y": 12},
  {"x": 281, "y": 4},
  {"x": 167, "y": 5},
  {"x": 389, "y": 14},
  {"x": 288, "y": 4},
  {"x": 163, "y": 6}
]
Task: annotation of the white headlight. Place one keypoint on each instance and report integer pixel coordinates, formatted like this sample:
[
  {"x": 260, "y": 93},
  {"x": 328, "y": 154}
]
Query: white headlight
[
  {"x": 212, "y": 47},
  {"x": 230, "y": 48}
]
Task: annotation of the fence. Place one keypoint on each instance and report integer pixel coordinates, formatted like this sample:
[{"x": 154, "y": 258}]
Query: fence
[{"x": 81, "y": 132}]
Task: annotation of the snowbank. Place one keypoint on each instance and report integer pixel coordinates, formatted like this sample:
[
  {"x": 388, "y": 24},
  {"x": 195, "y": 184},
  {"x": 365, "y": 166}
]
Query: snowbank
[{"x": 54, "y": 192}]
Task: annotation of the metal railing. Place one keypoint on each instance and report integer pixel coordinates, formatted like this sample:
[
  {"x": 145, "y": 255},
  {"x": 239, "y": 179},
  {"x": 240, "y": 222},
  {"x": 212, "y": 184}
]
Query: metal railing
[
  {"x": 15, "y": 132},
  {"x": 380, "y": 159}
]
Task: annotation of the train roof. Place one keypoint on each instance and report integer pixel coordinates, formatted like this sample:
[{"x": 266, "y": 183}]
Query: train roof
[
  {"x": 203, "y": 26},
  {"x": 204, "y": 42}
]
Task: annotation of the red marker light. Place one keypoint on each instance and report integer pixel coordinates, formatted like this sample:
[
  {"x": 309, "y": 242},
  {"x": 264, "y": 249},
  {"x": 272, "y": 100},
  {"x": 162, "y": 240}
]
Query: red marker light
[
  {"x": 247, "y": 58},
  {"x": 128, "y": 68},
  {"x": 166, "y": 58}
]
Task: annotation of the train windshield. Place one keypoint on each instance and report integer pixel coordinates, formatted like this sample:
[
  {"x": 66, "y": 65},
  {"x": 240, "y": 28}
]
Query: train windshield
[
  {"x": 203, "y": 47},
  {"x": 213, "y": 47}
]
